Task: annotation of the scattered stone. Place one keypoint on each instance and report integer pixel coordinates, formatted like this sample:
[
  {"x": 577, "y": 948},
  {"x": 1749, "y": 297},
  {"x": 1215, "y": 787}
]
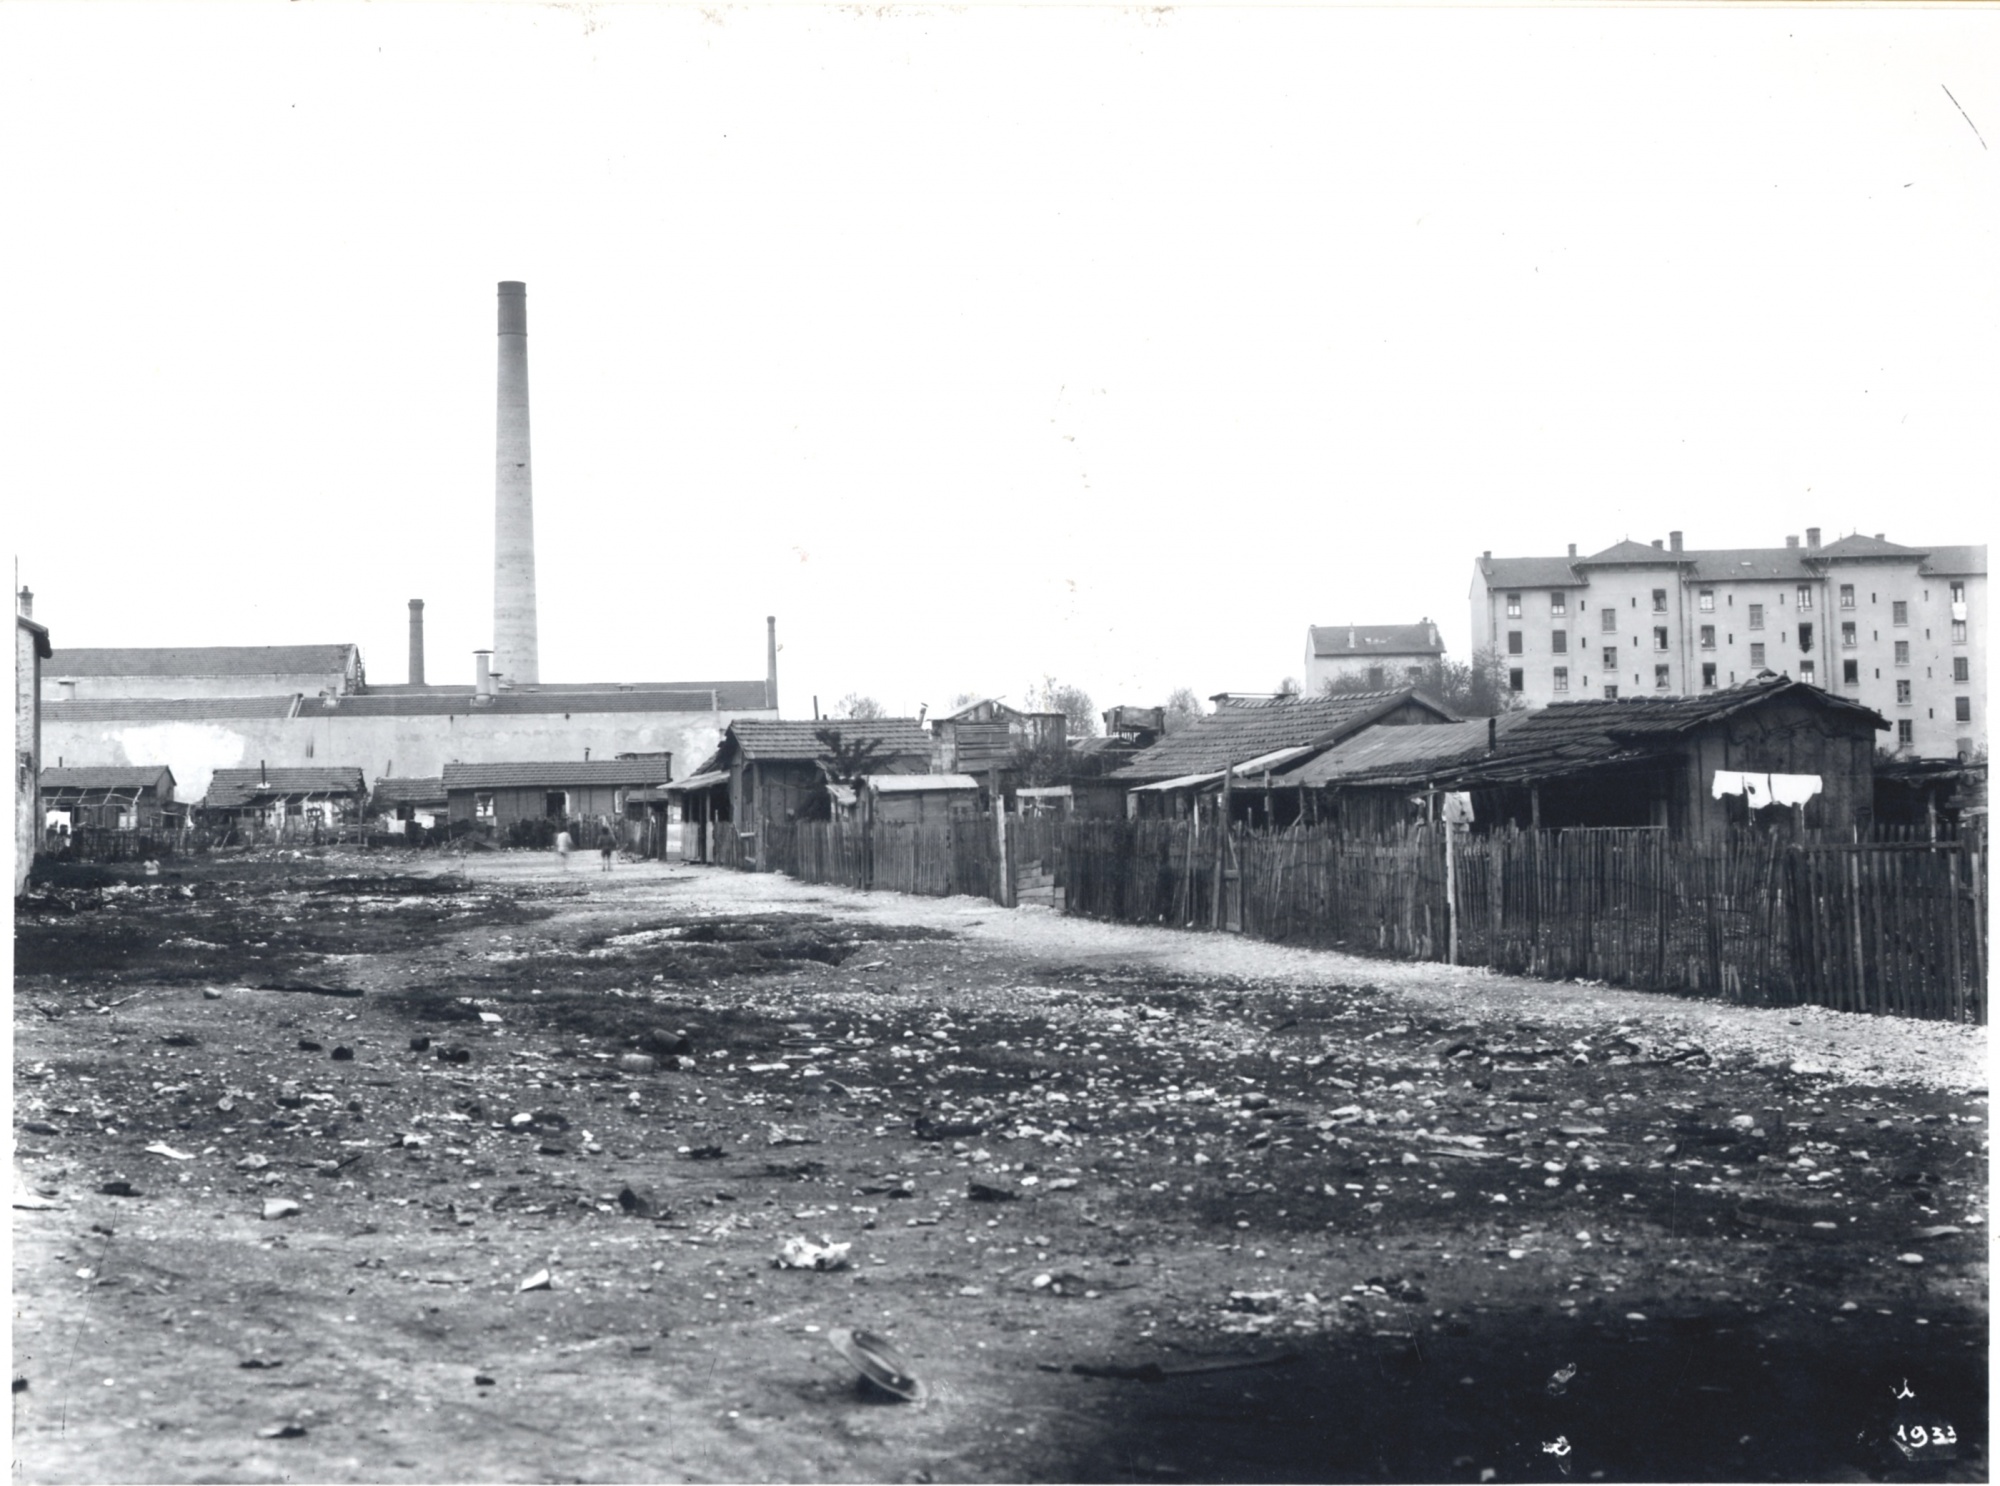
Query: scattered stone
[
  {"x": 800, "y": 1253},
  {"x": 343, "y": 1055},
  {"x": 539, "y": 1280},
  {"x": 420, "y": 1044},
  {"x": 282, "y": 1432},
  {"x": 1912, "y": 1259},
  {"x": 279, "y": 1207},
  {"x": 118, "y": 1189}
]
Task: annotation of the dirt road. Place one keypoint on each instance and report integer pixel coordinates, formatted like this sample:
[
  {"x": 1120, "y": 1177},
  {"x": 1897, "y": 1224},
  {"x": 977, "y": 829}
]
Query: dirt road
[{"x": 1297, "y": 1216}]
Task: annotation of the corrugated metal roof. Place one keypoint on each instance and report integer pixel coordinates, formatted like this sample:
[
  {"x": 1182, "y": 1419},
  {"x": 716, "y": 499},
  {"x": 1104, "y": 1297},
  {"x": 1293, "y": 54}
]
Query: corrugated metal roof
[
  {"x": 228, "y": 788},
  {"x": 1230, "y": 735},
  {"x": 706, "y": 780},
  {"x": 203, "y": 660},
  {"x": 1336, "y": 640},
  {"x": 110, "y": 776},
  {"x": 913, "y": 784},
  {"x": 769, "y": 740},
  {"x": 554, "y": 774},
  {"x": 1379, "y": 748},
  {"x": 169, "y": 709}
]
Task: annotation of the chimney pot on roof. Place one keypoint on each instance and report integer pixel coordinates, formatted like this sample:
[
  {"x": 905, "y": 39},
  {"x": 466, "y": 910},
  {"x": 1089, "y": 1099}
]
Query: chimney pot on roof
[
  {"x": 1492, "y": 733},
  {"x": 1812, "y": 536},
  {"x": 416, "y": 642},
  {"x": 482, "y": 673},
  {"x": 1657, "y": 543},
  {"x": 1675, "y": 538},
  {"x": 1572, "y": 549},
  {"x": 1487, "y": 553},
  {"x": 27, "y": 602},
  {"x": 1880, "y": 538},
  {"x": 1791, "y": 541}
]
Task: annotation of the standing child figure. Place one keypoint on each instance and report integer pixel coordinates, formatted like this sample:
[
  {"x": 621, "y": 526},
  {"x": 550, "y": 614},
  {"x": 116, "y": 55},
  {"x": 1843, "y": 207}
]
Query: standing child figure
[
  {"x": 562, "y": 847},
  {"x": 606, "y": 843}
]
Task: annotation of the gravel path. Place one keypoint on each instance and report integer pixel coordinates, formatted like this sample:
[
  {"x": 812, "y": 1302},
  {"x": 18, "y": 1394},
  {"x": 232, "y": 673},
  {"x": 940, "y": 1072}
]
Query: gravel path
[{"x": 1847, "y": 1046}]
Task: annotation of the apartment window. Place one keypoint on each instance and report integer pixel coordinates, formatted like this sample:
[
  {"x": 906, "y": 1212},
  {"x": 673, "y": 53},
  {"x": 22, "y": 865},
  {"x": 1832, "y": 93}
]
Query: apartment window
[
  {"x": 1513, "y": 606},
  {"x": 1902, "y": 652},
  {"x": 1847, "y": 640},
  {"x": 1415, "y": 673},
  {"x": 1706, "y": 600},
  {"x": 1558, "y": 603},
  {"x": 1805, "y": 638},
  {"x": 1899, "y": 612},
  {"x": 1376, "y": 678},
  {"x": 1757, "y": 655},
  {"x": 1847, "y": 595},
  {"x": 1659, "y": 637},
  {"x": 1964, "y": 708},
  {"x": 1708, "y": 637},
  {"x": 1958, "y": 632},
  {"x": 1807, "y": 674},
  {"x": 1961, "y": 669},
  {"x": 1805, "y": 596},
  {"x": 1850, "y": 672},
  {"x": 1559, "y": 641},
  {"x": 1513, "y": 642},
  {"x": 1562, "y": 678},
  {"x": 1902, "y": 693},
  {"x": 1906, "y": 733},
  {"x": 1708, "y": 673},
  {"x": 1610, "y": 657},
  {"x": 1516, "y": 680},
  {"x": 1610, "y": 691},
  {"x": 1756, "y": 616},
  {"x": 1659, "y": 601},
  {"x": 1958, "y": 593},
  {"x": 1663, "y": 677},
  {"x": 482, "y": 805},
  {"x": 1608, "y": 621}
]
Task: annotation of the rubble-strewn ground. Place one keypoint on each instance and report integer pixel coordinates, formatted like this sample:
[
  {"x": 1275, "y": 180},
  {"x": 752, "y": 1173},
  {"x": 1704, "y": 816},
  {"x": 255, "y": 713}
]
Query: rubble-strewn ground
[{"x": 1468, "y": 1227}]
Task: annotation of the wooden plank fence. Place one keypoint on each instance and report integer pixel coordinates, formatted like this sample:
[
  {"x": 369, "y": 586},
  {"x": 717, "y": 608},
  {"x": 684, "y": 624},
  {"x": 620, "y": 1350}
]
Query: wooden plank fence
[{"x": 1895, "y": 926}]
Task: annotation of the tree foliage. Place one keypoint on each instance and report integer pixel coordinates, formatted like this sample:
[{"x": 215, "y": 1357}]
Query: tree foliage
[
  {"x": 1182, "y": 708},
  {"x": 1478, "y": 689},
  {"x": 1079, "y": 712},
  {"x": 858, "y": 708},
  {"x": 844, "y": 761}
]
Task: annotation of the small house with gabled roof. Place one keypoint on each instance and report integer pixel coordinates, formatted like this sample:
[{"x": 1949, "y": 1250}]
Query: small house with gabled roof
[
  {"x": 111, "y": 798},
  {"x": 1379, "y": 656},
  {"x": 272, "y": 797},
  {"x": 496, "y": 796}
]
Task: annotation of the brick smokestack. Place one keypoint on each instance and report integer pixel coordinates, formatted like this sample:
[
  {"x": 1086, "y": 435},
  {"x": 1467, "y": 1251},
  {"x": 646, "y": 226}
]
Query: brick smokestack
[
  {"x": 514, "y": 636},
  {"x": 416, "y": 642},
  {"x": 771, "y": 661}
]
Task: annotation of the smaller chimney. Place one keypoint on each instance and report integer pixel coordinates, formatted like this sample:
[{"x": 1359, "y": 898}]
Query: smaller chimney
[
  {"x": 27, "y": 602},
  {"x": 263, "y": 774},
  {"x": 1488, "y": 553},
  {"x": 416, "y": 642},
  {"x": 1791, "y": 541},
  {"x": 1658, "y": 544},
  {"x": 482, "y": 674},
  {"x": 1674, "y": 538},
  {"x": 1812, "y": 536},
  {"x": 1880, "y": 538},
  {"x": 1434, "y": 634},
  {"x": 1492, "y": 733},
  {"x": 1572, "y": 549},
  {"x": 771, "y": 661}
]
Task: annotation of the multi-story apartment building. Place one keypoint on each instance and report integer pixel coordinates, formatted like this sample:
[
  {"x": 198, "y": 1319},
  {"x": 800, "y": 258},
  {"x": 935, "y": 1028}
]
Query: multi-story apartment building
[{"x": 1899, "y": 629}]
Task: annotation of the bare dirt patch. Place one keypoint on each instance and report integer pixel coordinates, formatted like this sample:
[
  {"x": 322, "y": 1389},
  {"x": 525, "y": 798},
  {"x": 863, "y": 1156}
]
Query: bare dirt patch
[{"x": 1297, "y": 1217}]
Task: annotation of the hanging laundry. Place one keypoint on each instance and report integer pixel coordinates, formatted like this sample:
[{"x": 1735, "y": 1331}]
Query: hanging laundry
[{"x": 1759, "y": 790}]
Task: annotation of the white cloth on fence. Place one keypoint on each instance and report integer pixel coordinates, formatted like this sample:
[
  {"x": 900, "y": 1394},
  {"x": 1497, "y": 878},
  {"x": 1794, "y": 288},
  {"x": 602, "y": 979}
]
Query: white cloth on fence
[
  {"x": 1458, "y": 807},
  {"x": 1760, "y": 790}
]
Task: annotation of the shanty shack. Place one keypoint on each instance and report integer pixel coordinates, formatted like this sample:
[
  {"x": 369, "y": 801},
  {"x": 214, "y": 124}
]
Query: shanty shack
[
  {"x": 276, "y": 798},
  {"x": 918, "y": 798},
  {"x": 989, "y": 734},
  {"x": 496, "y": 797},
  {"x": 1248, "y": 739},
  {"x": 1338, "y": 786},
  {"x": 110, "y": 798},
  {"x": 1771, "y": 749},
  {"x": 404, "y": 802}
]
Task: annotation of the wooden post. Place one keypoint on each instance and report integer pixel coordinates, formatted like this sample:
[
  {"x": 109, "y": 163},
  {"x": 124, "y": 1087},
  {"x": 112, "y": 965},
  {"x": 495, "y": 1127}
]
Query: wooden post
[
  {"x": 1003, "y": 877},
  {"x": 1534, "y": 807},
  {"x": 1451, "y": 892},
  {"x": 1220, "y": 911}
]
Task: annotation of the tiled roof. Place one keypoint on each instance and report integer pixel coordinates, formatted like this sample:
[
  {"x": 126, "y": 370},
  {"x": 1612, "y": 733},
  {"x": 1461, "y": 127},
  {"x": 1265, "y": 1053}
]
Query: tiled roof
[
  {"x": 168, "y": 709},
  {"x": 202, "y": 660},
  {"x": 705, "y": 779},
  {"x": 1957, "y": 561},
  {"x": 457, "y": 701},
  {"x": 1401, "y": 748},
  {"x": 1232, "y": 734},
  {"x": 1374, "y": 639},
  {"x": 769, "y": 740},
  {"x": 1856, "y": 545},
  {"x": 1629, "y": 551},
  {"x": 409, "y": 791},
  {"x": 1775, "y": 564},
  {"x": 110, "y": 776},
  {"x": 554, "y": 774},
  {"x": 228, "y": 788},
  {"x": 1530, "y": 572}
]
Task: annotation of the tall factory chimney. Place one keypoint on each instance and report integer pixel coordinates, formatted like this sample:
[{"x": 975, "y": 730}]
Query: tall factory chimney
[
  {"x": 416, "y": 642},
  {"x": 514, "y": 647},
  {"x": 771, "y": 661}
]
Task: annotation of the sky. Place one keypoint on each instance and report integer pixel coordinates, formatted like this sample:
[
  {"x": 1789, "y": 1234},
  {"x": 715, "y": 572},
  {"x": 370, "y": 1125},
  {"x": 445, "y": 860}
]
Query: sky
[{"x": 979, "y": 343}]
